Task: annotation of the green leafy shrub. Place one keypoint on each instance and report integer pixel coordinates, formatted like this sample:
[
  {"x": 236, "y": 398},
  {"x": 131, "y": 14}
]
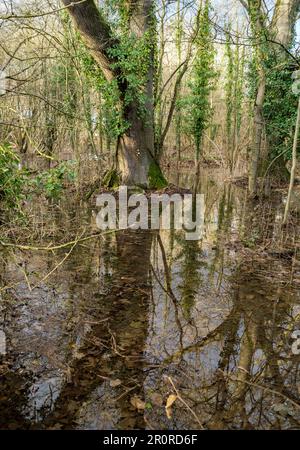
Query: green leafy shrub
[
  {"x": 280, "y": 104},
  {"x": 196, "y": 105},
  {"x": 11, "y": 177},
  {"x": 51, "y": 182},
  {"x": 16, "y": 183},
  {"x": 280, "y": 110}
]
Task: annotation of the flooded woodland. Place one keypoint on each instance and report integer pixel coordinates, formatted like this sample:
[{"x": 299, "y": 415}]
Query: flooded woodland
[
  {"x": 142, "y": 328},
  {"x": 99, "y": 336}
]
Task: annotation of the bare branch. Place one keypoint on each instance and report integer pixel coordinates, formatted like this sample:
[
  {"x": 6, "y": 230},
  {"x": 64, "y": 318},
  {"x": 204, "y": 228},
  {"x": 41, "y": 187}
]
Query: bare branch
[{"x": 32, "y": 16}]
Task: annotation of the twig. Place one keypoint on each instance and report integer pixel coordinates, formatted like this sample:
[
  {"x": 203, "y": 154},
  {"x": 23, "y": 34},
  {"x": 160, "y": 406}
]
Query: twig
[
  {"x": 55, "y": 247},
  {"x": 185, "y": 403},
  {"x": 273, "y": 391},
  {"x": 42, "y": 14},
  {"x": 56, "y": 267}
]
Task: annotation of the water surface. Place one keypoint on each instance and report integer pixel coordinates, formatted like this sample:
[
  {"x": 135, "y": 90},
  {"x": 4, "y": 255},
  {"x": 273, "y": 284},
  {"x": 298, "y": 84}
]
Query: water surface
[{"x": 98, "y": 337}]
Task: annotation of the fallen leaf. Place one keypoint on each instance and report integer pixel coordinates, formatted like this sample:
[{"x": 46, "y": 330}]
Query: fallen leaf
[
  {"x": 137, "y": 403},
  {"x": 115, "y": 383},
  {"x": 170, "y": 400}
]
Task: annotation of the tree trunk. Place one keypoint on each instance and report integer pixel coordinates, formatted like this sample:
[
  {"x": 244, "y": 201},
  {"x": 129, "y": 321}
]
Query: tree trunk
[
  {"x": 257, "y": 133},
  {"x": 284, "y": 19},
  {"x": 134, "y": 153},
  {"x": 278, "y": 36},
  {"x": 294, "y": 163},
  {"x": 135, "y": 162}
]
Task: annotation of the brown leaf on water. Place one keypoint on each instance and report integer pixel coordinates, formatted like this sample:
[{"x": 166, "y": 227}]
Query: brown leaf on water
[
  {"x": 137, "y": 403},
  {"x": 115, "y": 383},
  {"x": 170, "y": 400}
]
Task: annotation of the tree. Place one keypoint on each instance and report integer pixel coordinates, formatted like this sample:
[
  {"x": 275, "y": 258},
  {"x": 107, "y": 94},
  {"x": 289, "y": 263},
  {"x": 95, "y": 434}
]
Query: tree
[
  {"x": 127, "y": 64},
  {"x": 178, "y": 115},
  {"x": 235, "y": 56},
  {"x": 294, "y": 163},
  {"x": 273, "y": 38},
  {"x": 198, "y": 103}
]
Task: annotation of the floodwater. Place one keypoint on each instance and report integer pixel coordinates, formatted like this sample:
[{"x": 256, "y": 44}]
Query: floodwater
[{"x": 100, "y": 334}]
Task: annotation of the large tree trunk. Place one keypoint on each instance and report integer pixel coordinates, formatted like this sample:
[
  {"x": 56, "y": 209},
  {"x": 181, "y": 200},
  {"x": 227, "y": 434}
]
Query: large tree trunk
[
  {"x": 134, "y": 153},
  {"x": 135, "y": 148}
]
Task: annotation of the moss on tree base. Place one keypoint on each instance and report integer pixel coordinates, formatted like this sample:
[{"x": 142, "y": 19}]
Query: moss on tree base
[
  {"x": 155, "y": 177},
  {"x": 156, "y": 180},
  {"x": 111, "y": 179}
]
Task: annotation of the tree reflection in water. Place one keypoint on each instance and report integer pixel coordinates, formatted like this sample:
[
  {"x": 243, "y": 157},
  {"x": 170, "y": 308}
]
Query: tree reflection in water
[{"x": 95, "y": 345}]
